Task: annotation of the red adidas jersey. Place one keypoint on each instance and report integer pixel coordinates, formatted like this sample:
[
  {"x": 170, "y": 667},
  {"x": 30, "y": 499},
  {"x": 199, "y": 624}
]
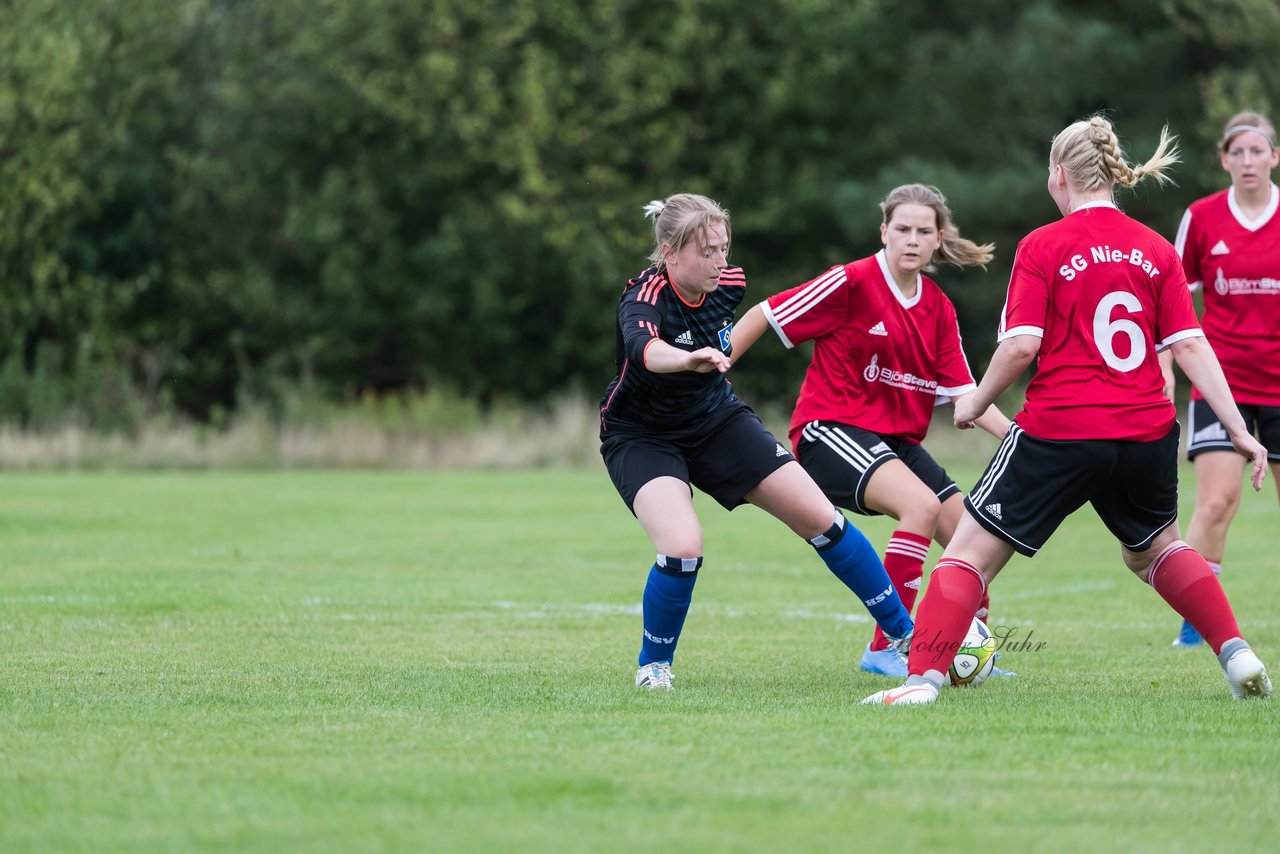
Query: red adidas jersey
[
  {"x": 880, "y": 359},
  {"x": 1103, "y": 292},
  {"x": 1238, "y": 262}
]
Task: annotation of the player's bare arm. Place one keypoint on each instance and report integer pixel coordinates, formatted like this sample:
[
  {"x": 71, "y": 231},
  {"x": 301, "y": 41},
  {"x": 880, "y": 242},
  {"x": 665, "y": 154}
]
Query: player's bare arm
[
  {"x": 746, "y": 332},
  {"x": 1166, "y": 368},
  {"x": 1012, "y": 357},
  {"x": 1198, "y": 361},
  {"x": 993, "y": 421},
  {"x": 661, "y": 358}
]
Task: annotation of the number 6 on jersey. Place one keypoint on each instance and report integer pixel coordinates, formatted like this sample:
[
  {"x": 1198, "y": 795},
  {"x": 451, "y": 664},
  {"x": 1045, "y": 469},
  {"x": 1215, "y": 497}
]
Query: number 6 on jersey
[{"x": 1105, "y": 331}]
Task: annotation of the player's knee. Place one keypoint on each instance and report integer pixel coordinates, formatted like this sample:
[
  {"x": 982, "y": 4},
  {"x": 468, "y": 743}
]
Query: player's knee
[
  {"x": 686, "y": 547},
  {"x": 831, "y": 532},
  {"x": 1139, "y": 563},
  {"x": 818, "y": 524},
  {"x": 1216, "y": 508},
  {"x": 922, "y": 515}
]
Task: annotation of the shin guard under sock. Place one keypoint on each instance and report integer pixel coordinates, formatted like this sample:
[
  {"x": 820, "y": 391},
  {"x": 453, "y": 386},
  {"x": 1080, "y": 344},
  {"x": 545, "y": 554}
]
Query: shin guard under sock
[{"x": 851, "y": 559}]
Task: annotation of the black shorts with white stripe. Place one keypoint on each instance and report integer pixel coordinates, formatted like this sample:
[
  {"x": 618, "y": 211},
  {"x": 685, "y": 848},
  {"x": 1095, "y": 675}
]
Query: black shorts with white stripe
[
  {"x": 734, "y": 456},
  {"x": 1032, "y": 484},
  {"x": 1206, "y": 433},
  {"x": 841, "y": 459}
]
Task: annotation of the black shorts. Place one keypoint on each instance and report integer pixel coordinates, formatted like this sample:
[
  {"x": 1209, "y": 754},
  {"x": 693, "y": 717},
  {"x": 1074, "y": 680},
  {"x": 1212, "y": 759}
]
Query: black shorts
[
  {"x": 727, "y": 463},
  {"x": 841, "y": 459},
  {"x": 1032, "y": 484},
  {"x": 1206, "y": 433}
]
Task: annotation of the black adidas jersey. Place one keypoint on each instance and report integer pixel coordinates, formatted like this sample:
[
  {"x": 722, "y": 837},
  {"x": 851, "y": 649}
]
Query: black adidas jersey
[{"x": 677, "y": 404}]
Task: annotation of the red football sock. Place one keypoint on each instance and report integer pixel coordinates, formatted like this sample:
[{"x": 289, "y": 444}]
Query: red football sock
[
  {"x": 955, "y": 589},
  {"x": 904, "y": 561},
  {"x": 1184, "y": 580}
]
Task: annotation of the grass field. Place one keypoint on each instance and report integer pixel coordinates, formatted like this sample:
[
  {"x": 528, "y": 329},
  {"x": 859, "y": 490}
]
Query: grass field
[{"x": 444, "y": 662}]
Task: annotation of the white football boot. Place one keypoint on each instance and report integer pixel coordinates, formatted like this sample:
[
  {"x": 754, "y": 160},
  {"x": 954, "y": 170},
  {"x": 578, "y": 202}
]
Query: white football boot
[
  {"x": 1247, "y": 675},
  {"x": 656, "y": 675},
  {"x": 904, "y": 695}
]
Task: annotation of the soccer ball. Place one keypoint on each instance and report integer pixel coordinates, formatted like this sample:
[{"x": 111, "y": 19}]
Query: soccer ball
[{"x": 975, "y": 657}]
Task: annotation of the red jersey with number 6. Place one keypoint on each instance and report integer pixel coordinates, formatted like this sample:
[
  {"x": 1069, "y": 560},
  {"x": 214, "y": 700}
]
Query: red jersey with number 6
[
  {"x": 1103, "y": 293},
  {"x": 1238, "y": 261}
]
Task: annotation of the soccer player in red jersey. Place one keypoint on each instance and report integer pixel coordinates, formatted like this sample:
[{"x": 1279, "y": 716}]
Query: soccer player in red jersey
[
  {"x": 886, "y": 351},
  {"x": 1230, "y": 248},
  {"x": 669, "y": 421},
  {"x": 1093, "y": 296}
]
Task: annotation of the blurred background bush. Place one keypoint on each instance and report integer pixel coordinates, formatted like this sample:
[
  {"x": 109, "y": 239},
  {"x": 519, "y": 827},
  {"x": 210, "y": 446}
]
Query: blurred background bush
[{"x": 422, "y": 213}]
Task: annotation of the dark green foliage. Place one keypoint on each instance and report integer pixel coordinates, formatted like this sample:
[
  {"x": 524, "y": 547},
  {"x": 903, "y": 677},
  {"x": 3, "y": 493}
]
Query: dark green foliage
[{"x": 209, "y": 201}]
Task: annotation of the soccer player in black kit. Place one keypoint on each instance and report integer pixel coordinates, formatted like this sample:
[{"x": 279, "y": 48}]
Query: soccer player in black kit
[{"x": 669, "y": 421}]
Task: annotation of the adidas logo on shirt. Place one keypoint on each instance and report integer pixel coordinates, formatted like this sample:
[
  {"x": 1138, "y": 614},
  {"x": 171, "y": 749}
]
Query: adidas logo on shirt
[
  {"x": 782, "y": 452},
  {"x": 685, "y": 337},
  {"x": 994, "y": 510},
  {"x": 879, "y": 329},
  {"x": 1220, "y": 248}
]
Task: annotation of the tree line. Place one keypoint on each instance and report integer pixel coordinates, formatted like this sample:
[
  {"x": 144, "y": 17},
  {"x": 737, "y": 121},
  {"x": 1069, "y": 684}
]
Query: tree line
[{"x": 212, "y": 201}]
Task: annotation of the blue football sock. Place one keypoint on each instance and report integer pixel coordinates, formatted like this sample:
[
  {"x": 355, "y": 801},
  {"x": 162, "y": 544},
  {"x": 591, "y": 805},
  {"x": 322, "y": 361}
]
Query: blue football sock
[
  {"x": 851, "y": 559},
  {"x": 667, "y": 594}
]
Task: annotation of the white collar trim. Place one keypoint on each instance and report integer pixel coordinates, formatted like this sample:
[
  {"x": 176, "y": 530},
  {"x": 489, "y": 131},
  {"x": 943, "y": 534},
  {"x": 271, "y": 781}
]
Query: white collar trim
[
  {"x": 903, "y": 300},
  {"x": 1101, "y": 203},
  {"x": 1263, "y": 218}
]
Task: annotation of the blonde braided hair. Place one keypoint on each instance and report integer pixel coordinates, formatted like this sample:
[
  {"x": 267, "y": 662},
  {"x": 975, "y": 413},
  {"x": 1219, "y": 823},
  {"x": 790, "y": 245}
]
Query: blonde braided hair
[{"x": 1090, "y": 153}]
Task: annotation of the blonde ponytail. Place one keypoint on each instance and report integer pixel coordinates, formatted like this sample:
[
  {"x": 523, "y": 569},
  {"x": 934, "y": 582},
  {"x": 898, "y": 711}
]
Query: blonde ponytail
[{"x": 1089, "y": 152}]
